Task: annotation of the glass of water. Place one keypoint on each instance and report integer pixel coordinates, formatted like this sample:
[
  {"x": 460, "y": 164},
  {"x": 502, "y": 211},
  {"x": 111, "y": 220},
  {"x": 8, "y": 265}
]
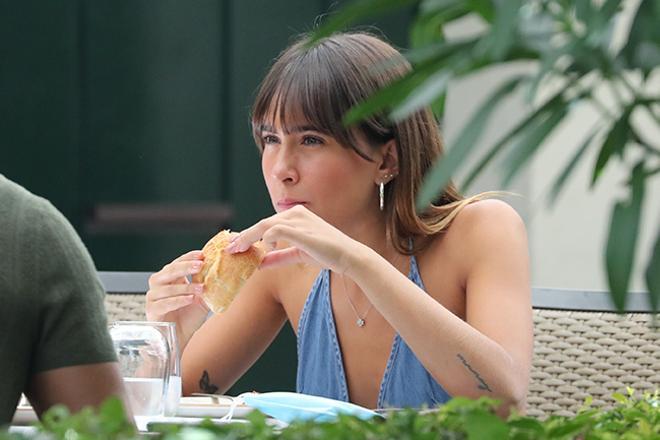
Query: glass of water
[
  {"x": 145, "y": 359},
  {"x": 174, "y": 382}
]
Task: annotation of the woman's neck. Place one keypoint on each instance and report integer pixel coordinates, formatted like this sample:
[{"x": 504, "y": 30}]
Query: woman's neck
[{"x": 373, "y": 233}]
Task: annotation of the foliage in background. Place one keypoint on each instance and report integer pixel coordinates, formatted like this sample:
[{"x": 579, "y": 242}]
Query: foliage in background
[
  {"x": 460, "y": 418},
  {"x": 572, "y": 46}
]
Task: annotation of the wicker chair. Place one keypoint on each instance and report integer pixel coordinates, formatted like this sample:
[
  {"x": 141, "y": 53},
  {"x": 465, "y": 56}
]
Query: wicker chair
[
  {"x": 581, "y": 347},
  {"x": 124, "y": 300}
]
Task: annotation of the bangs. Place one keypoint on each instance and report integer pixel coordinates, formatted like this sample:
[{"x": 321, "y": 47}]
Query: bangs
[{"x": 311, "y": 88}]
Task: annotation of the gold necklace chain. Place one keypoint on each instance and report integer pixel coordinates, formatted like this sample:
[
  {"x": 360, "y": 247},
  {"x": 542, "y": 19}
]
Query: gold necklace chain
[{"x": 361, "y": 320}]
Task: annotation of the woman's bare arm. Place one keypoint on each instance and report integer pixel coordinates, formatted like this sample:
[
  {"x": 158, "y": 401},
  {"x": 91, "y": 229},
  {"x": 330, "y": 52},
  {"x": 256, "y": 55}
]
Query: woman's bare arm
[
  {"x": 489, "y": 353},
  {"x": 230, "y": 342}
]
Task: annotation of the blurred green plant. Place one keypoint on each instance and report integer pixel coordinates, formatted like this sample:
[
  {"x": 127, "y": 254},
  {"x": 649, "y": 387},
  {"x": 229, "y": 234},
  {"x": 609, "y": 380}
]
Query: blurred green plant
[
  {"x": 632, "y": 417},
  {"x": 572, "y": 46}
]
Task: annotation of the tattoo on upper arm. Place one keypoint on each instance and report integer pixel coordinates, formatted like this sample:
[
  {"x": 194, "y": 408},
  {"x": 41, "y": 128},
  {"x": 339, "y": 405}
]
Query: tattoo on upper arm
[
  {"x": 482, "y": 384},
  {"x": 205, "y": 385}
]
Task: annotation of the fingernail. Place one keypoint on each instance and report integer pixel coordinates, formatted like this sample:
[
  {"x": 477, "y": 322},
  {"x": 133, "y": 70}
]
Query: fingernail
[
  {"x": 232, "y": 248},
  {"x": 199, "y": 288}
]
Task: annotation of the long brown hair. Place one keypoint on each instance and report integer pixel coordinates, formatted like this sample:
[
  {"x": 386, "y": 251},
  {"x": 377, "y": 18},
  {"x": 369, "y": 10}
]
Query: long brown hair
[{"x": 321, "y": 83}]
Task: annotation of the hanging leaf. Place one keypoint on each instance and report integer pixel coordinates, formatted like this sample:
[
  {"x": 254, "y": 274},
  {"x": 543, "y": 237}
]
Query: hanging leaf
[
  {"x": 521, "y": 127},
  {"x": 531, "y": 141},
  {"x": 653, "y": 275},
  {"x": 426, "y": 92},
  {"x": 622, "y": 239},
  {"x": 485, "y": 8},
  {"x": 384, "y": 98},
  {"x": 643, "y": 47},
  {"x": 429, "y": 26},
  {"x": 353, "y": 12},
  {"x": 503, "y": 30},
  {"x": 614, "y": 143},
  {"x": 435, "y": 54},
  {"x": 399, "y": 90},
  {"x": 437, "y": 178},
  {"x": 570, "y": 166}
]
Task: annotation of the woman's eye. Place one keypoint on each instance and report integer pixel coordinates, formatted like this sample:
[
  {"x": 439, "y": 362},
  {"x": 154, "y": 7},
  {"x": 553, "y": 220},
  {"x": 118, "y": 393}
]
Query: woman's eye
[
  {"x": 269, "y": 139},
  {"x": 312, "y": 140}
]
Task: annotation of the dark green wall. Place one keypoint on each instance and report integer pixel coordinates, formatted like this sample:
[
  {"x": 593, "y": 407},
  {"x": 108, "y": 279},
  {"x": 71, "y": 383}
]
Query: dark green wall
[{"x": 147, "y": 102}]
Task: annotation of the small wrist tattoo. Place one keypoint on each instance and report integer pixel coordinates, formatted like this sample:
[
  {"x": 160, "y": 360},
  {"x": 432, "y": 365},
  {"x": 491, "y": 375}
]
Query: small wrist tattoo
[{"x": 482, "y": 384}]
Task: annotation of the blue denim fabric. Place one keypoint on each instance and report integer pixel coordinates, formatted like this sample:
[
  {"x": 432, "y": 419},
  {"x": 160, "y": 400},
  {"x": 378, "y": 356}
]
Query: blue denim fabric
[{"x": 405, "y": 383}]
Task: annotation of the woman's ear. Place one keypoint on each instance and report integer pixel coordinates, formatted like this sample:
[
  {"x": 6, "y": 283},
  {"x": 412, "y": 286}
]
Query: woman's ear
[{"x": 388, "y": 168}]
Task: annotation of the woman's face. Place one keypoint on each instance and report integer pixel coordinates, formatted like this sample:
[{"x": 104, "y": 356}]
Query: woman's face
[{"x": 305, "y": 166}]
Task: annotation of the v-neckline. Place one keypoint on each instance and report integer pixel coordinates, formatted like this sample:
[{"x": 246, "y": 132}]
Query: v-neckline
[{"x": 393, "y": 349}]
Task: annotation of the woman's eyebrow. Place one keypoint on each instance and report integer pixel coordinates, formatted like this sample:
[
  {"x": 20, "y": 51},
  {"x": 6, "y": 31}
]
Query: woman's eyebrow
[{"x": 295, "y": 129}]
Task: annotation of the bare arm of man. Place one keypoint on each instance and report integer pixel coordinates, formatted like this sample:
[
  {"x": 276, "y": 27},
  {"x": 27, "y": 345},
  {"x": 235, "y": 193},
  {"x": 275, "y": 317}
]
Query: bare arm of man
[{"x": 76, "y": 387}]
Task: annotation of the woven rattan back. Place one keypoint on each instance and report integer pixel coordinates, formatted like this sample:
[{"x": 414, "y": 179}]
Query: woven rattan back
[
  {"x": 125, "y": 295},
  {"x": 125, "y": 307},
  {"x": 590, "y": 353}
]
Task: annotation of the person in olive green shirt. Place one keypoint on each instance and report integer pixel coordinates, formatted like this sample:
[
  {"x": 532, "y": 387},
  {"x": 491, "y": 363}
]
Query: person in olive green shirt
[{"x": 54, "y": 342}]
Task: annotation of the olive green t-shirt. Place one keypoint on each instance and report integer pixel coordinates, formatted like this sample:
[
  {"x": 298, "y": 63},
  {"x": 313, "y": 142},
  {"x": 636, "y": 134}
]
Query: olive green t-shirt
[{"x": 51, "y": 301}]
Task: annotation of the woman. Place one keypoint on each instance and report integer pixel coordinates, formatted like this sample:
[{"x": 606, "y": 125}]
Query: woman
[{"x": 390, "y": 308}]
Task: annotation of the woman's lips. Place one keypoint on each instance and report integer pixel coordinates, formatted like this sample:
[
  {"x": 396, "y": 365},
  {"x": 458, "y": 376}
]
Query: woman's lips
[{"x": 286, "y": 203}]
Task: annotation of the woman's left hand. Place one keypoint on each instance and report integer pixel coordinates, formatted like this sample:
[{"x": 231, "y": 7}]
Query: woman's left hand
[{"x": 312, "y": 240}]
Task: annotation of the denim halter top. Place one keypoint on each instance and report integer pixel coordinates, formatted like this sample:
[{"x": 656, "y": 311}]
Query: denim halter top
[{"x": 405, "y": 383}]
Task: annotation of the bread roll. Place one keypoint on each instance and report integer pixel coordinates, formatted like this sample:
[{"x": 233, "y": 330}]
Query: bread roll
[{"x": 224, "y": 274}]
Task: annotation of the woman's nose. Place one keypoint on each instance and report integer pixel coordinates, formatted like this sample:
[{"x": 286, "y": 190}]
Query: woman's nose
[{"x": 284, "y": 168}]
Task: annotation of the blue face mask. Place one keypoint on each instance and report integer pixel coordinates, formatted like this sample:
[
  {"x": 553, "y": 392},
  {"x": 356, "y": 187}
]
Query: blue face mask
[{"x": 288, "y": 407}]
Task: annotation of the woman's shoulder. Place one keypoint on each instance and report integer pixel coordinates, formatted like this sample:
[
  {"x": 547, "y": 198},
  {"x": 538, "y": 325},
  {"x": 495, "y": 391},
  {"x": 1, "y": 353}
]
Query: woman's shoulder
[
  {"x": 489, "y": 216},
  {"x": 479, "y": 229}
]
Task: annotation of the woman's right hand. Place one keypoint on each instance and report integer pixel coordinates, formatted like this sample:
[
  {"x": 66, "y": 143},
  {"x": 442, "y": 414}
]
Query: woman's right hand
[{"x": 172, "y": 298}]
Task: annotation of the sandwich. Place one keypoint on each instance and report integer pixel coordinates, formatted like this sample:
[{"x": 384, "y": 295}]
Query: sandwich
[{"x": 224, "y": 274}]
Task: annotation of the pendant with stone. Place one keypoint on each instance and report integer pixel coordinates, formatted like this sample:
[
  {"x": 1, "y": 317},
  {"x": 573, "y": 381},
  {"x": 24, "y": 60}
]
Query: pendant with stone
[{"x": 360, "y": 322}]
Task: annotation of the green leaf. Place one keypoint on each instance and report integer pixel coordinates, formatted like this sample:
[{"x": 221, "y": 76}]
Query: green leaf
[
  {"x": 483, "y": 425},
  {"x": 614, "y": 143},
  {"x": 528, "y": 424},
  {"x": 568, "y": 169},
  {"x": 384, "y": 98},
  {"x": 426, "y": 92},
  {"x": 353, "y": 12},
  {"x": 437, "y": 178},
  {"x": 642, "y": 49},
  {"x": 429, "y": 27},
  {"x": 569, "y": 429},
  {"x": 503, "y": 29},
  {"x": 653, "y": 275},
  {"x": 532, "y": 140},
  {"x": 521, "y": 127},
  {"x": 437, "y": 52},
  {"x": 484, "y": 8},
  {"x": 397, "y": 91},
  {"x": 619, "y": 397},
  {"x": 622, "y": 239}
]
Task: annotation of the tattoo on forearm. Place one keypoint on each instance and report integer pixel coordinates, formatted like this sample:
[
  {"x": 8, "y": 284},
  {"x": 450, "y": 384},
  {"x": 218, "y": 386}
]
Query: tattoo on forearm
[
  {"x": 205, "y": 385},
  {"x": 482, "y": 384}
]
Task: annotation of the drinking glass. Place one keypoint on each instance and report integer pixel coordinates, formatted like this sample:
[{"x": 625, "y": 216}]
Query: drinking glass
[
  {"x": 174, "y": 381},
  {"x": 145, "y": 359}
]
